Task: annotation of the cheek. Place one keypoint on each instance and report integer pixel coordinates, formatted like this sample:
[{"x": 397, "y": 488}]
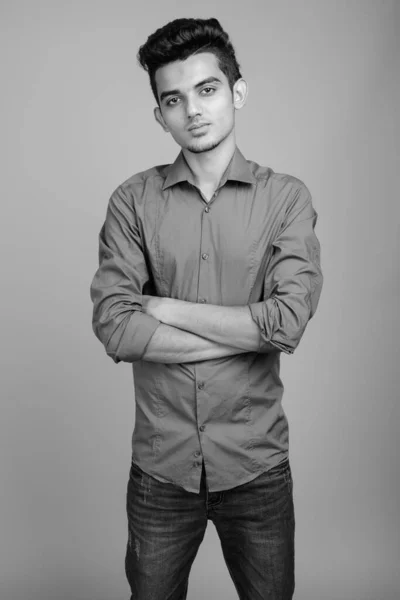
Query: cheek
[
  {"x": 173, "y": 120},
  {"x": 177, "y": 124},
  {"x": 225, "y": 121},
  {"x": 224, "y": 109}
]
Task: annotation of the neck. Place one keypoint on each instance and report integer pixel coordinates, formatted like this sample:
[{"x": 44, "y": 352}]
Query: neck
[{"x": 208, "y": 167}]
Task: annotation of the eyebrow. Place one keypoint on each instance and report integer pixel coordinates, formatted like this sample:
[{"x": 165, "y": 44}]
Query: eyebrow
[{"x": 163, "y": 95}]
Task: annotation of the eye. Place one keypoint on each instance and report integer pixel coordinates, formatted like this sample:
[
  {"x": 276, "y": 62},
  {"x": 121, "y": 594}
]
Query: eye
[
  {"x": 172, "y": 101},
  {"x": 208, "y": 90}
]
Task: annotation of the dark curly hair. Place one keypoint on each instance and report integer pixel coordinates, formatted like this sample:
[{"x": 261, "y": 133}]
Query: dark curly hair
[{"x": 181, "y": 38}]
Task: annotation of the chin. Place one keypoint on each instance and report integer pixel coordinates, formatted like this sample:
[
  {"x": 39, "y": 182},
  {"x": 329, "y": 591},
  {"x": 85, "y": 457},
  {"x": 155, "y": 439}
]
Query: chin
[{"x": 203, "y": 146}]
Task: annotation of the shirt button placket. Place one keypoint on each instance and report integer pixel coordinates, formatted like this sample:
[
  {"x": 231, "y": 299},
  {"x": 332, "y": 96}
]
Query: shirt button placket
[
  {"x": 202, "y": 292},
  {"x": 203, "y": 296}
]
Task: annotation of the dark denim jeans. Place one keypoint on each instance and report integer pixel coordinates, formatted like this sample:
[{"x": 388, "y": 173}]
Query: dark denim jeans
[{"x": 255, "y": 523}]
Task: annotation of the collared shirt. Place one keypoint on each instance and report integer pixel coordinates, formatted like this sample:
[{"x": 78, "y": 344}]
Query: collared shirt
[{"x": 252, "y": 244}]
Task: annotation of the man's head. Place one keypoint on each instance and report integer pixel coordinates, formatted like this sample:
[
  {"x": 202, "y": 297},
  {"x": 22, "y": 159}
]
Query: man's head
[
  {"x": 195, "y": 79},
  {"x": 182, "y": 38}
]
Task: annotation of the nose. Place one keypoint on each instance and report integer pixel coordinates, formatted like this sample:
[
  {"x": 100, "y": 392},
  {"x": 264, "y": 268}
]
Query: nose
[{"x": 193, "y": 107}]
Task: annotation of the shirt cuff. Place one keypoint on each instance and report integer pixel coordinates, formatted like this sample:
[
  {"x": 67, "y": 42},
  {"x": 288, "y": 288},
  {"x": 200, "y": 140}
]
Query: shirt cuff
[
  {"x": 257, "y": 311},
  {"x": 137, "y": 335}
]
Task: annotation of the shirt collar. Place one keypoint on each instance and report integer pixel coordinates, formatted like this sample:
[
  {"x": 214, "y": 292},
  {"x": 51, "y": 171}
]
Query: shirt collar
[{"x": 237, "y": 170}]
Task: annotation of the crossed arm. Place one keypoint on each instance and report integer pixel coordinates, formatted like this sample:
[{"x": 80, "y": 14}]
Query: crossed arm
[
  {"x": 194, "y": 332},
  {"x": 135, "y": 327}
]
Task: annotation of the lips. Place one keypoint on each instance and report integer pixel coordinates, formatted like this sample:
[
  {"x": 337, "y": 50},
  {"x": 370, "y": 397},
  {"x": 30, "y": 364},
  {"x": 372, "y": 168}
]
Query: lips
[{"x": 197, "y": 126}]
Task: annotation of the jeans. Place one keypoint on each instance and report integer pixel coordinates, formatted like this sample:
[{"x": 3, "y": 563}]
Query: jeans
[{"x": 254, "y": 521}]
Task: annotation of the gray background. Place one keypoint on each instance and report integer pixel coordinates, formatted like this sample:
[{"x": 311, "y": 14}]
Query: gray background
[{"x": 77, "y": 121}]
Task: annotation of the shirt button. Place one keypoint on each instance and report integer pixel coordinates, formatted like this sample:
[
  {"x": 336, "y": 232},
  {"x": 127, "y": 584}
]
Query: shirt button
[
  {"x": 207, "y": 209},
  {"x": 202, "y": 427},
  {"x": 200, "y": 385},
  {"x": 197, "y": 454},
  {"x": 204, "y": 256}
]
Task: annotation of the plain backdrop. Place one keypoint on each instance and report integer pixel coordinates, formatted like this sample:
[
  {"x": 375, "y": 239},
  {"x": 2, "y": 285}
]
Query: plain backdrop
[{"x": 77, "y": 120}]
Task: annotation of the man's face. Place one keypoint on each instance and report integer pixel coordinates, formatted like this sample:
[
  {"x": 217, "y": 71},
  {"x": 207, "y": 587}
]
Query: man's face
[{"x": 196, "y": 102}]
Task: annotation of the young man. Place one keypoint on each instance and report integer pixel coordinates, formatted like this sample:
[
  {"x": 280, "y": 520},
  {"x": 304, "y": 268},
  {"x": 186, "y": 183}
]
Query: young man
[{"x": 209, "y": 269}]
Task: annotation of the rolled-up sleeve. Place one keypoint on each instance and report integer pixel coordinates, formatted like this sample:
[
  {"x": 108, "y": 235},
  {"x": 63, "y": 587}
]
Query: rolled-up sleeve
[
  {"x": 293, "y": 279},
  {"x": 116, "y": 289}
]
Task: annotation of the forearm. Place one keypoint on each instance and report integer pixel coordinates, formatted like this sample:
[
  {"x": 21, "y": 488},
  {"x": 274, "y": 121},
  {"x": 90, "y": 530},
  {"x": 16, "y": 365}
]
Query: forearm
[
  {"x": 171, "y": 345},
  {"x": 225, "y": 325}
]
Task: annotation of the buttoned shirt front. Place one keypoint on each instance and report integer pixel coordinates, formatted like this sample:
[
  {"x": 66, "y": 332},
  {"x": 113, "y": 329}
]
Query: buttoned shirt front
[{"x": 252, "y": 244}]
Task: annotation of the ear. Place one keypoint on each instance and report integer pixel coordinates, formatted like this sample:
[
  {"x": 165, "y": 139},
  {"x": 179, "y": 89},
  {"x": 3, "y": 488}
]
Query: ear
[
  {"x": 160, "y": 119},
  {"x": 240, "y": 92}
]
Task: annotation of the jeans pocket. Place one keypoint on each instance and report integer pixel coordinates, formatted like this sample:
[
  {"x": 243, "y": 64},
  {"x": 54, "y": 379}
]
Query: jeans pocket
[
  {"x": 283, "y": 470},
  {"x": 289, "y": 479}
]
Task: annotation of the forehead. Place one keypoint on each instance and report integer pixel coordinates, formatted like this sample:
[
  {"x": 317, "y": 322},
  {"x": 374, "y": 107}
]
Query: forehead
[{"x": 185, "y": 74}]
